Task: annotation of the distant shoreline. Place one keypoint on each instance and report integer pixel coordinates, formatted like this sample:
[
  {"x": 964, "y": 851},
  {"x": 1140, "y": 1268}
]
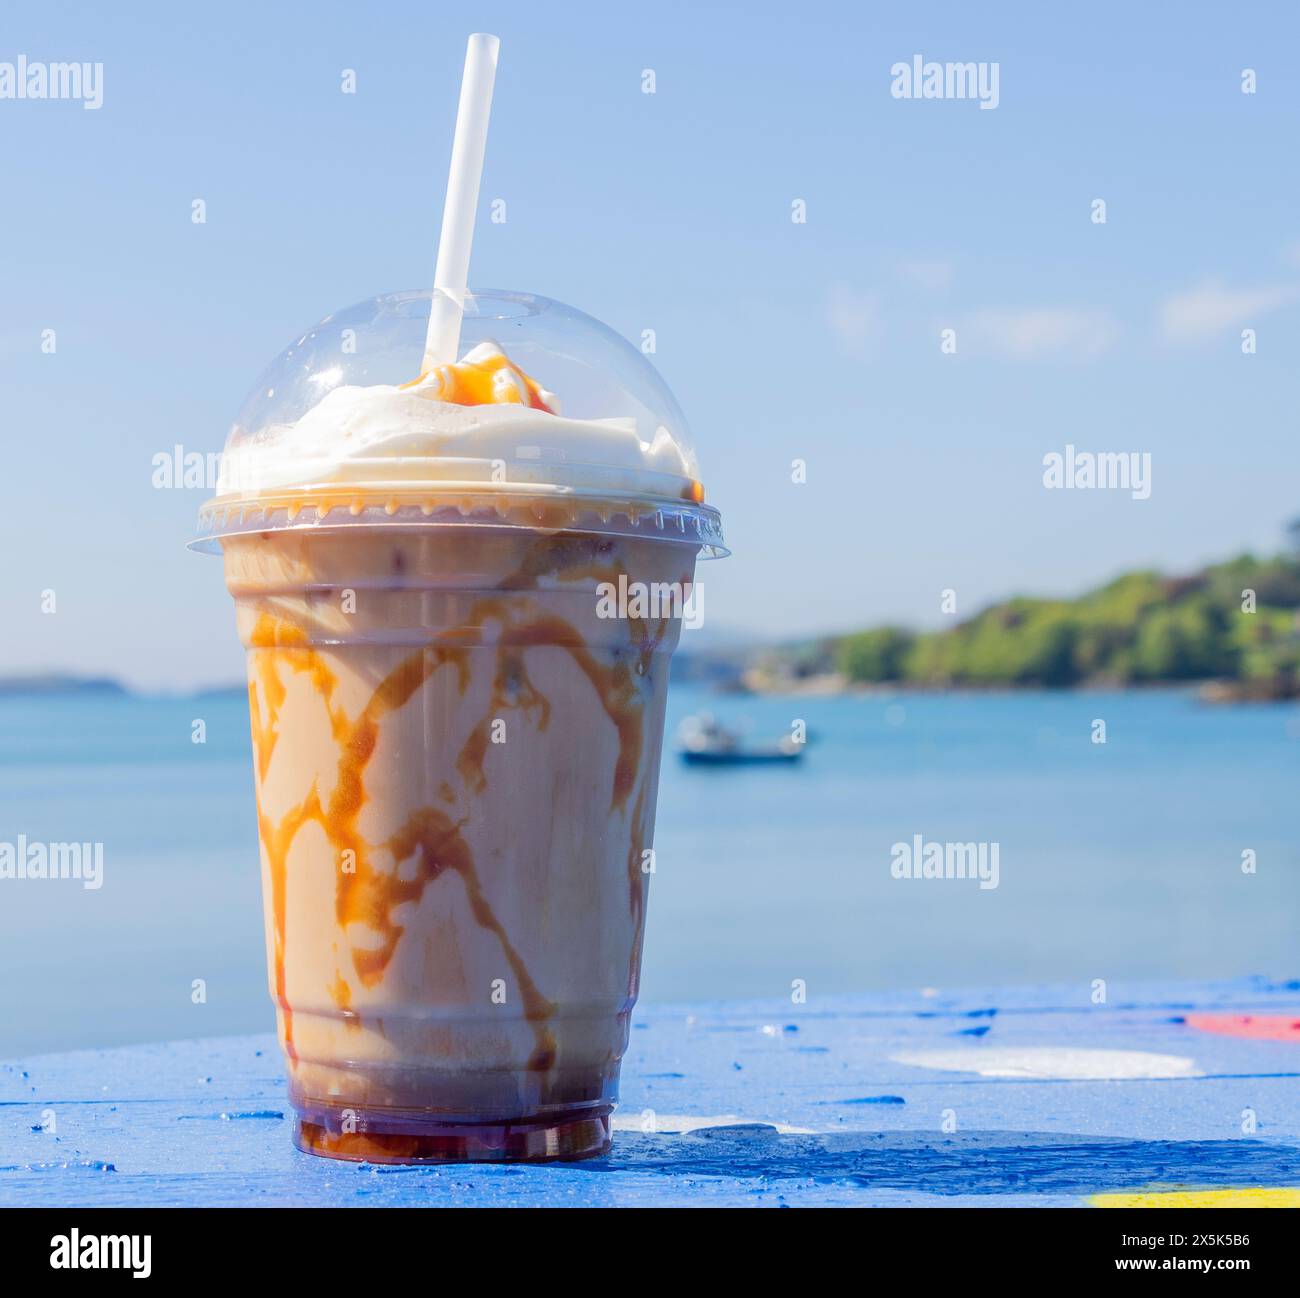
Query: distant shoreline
[
  {"x": 832, "y": 685},
  {"x": 41, "y": 683},
  {"x": 743, "y": 684},
  {"x": 34, "y": 685}
]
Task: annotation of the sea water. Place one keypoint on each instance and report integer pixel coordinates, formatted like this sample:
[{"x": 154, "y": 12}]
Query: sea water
[{"x": 1170, "y": 850}]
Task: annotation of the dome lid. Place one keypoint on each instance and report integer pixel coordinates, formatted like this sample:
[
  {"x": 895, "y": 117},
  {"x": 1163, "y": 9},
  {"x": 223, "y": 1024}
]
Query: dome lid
[{"x": 549, "y": 419}]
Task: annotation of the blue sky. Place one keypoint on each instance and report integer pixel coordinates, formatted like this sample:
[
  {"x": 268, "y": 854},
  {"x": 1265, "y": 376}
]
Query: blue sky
[{"x": 672, "y": 211}]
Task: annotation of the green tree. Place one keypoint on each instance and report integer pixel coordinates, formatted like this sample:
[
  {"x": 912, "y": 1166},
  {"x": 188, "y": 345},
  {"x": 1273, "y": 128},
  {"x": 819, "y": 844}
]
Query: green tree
[{"x": 877, "y": 655}]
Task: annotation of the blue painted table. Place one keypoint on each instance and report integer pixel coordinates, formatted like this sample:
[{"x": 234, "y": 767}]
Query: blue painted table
[{"x": 1035, "y": 1096}]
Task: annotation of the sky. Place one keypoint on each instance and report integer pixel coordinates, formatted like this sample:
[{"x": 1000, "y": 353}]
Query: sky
[{"x": 818, "y": 340}]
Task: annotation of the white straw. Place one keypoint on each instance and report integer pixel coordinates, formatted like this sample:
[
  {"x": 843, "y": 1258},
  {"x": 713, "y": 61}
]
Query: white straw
[{"x": 451, "y": 278}]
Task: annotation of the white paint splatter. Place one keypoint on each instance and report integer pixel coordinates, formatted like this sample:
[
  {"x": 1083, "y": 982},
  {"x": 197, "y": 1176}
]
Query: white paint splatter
[
  {"x": 1061, "y": 1062},
  {"x": 678, "y": 1124}
]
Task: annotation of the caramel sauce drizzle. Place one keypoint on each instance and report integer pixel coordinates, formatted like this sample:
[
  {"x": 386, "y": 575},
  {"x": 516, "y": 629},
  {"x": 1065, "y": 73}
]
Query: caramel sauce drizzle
[
  {"x": 369, "y": 896},
  {"x": 511, "y": 688},
  {"x": 471, "y": 383},
  {"x": 441, "y": 847}
]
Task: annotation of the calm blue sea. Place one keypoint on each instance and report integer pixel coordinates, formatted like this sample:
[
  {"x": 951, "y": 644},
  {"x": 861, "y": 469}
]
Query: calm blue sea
[{"x": 1117, "y": 861}]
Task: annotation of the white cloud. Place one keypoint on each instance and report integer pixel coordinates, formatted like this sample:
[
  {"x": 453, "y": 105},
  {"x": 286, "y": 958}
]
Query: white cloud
[
  {"x": 1044, "y": 331},
  {"x": 1213, "y": 307},
  {"x": 854, "y": 318},
  {"x": 928, "y": 274}
]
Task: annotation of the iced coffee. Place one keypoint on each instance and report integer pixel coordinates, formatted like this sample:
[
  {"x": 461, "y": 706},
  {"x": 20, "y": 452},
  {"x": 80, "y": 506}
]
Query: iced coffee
[{"x": 456, "y": 733}]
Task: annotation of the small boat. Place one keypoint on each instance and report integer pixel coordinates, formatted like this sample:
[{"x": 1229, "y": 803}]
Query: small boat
[{"x": 706, "y": 742}]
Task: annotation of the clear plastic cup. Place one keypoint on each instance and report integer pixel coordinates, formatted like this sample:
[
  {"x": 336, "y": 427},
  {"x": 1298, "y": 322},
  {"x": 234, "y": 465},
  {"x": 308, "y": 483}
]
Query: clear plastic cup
[{"x": 457, "y": 718}]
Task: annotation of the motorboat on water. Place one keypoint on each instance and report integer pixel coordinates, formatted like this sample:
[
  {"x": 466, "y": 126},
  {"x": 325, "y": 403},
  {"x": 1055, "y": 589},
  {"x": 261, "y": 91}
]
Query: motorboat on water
[{"x": 704, "y": 741}]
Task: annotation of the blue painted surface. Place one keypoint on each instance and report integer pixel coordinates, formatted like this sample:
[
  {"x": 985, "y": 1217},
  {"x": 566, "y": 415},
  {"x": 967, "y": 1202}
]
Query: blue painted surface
[{"x": 206, "y": 1122}]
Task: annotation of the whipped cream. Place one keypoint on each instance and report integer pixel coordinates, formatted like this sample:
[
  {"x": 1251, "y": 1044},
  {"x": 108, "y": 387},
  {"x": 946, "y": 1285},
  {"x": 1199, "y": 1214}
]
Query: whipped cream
[{"x": 383, "y": 435}]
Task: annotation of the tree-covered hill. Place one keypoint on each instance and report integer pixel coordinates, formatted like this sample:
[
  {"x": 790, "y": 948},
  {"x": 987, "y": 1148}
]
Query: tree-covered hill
[{"x": 1236, "y": 621}]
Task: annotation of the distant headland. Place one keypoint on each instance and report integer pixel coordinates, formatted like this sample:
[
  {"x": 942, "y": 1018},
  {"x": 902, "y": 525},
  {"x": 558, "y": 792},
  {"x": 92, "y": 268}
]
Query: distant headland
[
  {"x": 58, "y": 683},
  {"x": 38, "y": 684},
  {"x": 1233, "y": 628}
]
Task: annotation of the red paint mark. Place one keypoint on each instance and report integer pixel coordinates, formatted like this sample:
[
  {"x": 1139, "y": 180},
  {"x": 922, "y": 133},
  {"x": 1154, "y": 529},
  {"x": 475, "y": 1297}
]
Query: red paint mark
[{"x": 1260, "y": 1027}]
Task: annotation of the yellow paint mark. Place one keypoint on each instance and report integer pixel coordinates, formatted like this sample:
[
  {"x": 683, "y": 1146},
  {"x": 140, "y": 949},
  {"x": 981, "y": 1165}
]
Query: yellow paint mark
[{"x": 1241, "y": 1196}]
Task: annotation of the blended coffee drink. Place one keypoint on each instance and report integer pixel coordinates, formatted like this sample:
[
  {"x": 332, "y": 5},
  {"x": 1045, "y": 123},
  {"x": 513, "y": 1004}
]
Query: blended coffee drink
[{"x": 459, "y": 599}]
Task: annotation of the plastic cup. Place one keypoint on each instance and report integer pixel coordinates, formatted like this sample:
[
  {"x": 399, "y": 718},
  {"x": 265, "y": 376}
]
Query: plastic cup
[{"x": 457, "y": 736}]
